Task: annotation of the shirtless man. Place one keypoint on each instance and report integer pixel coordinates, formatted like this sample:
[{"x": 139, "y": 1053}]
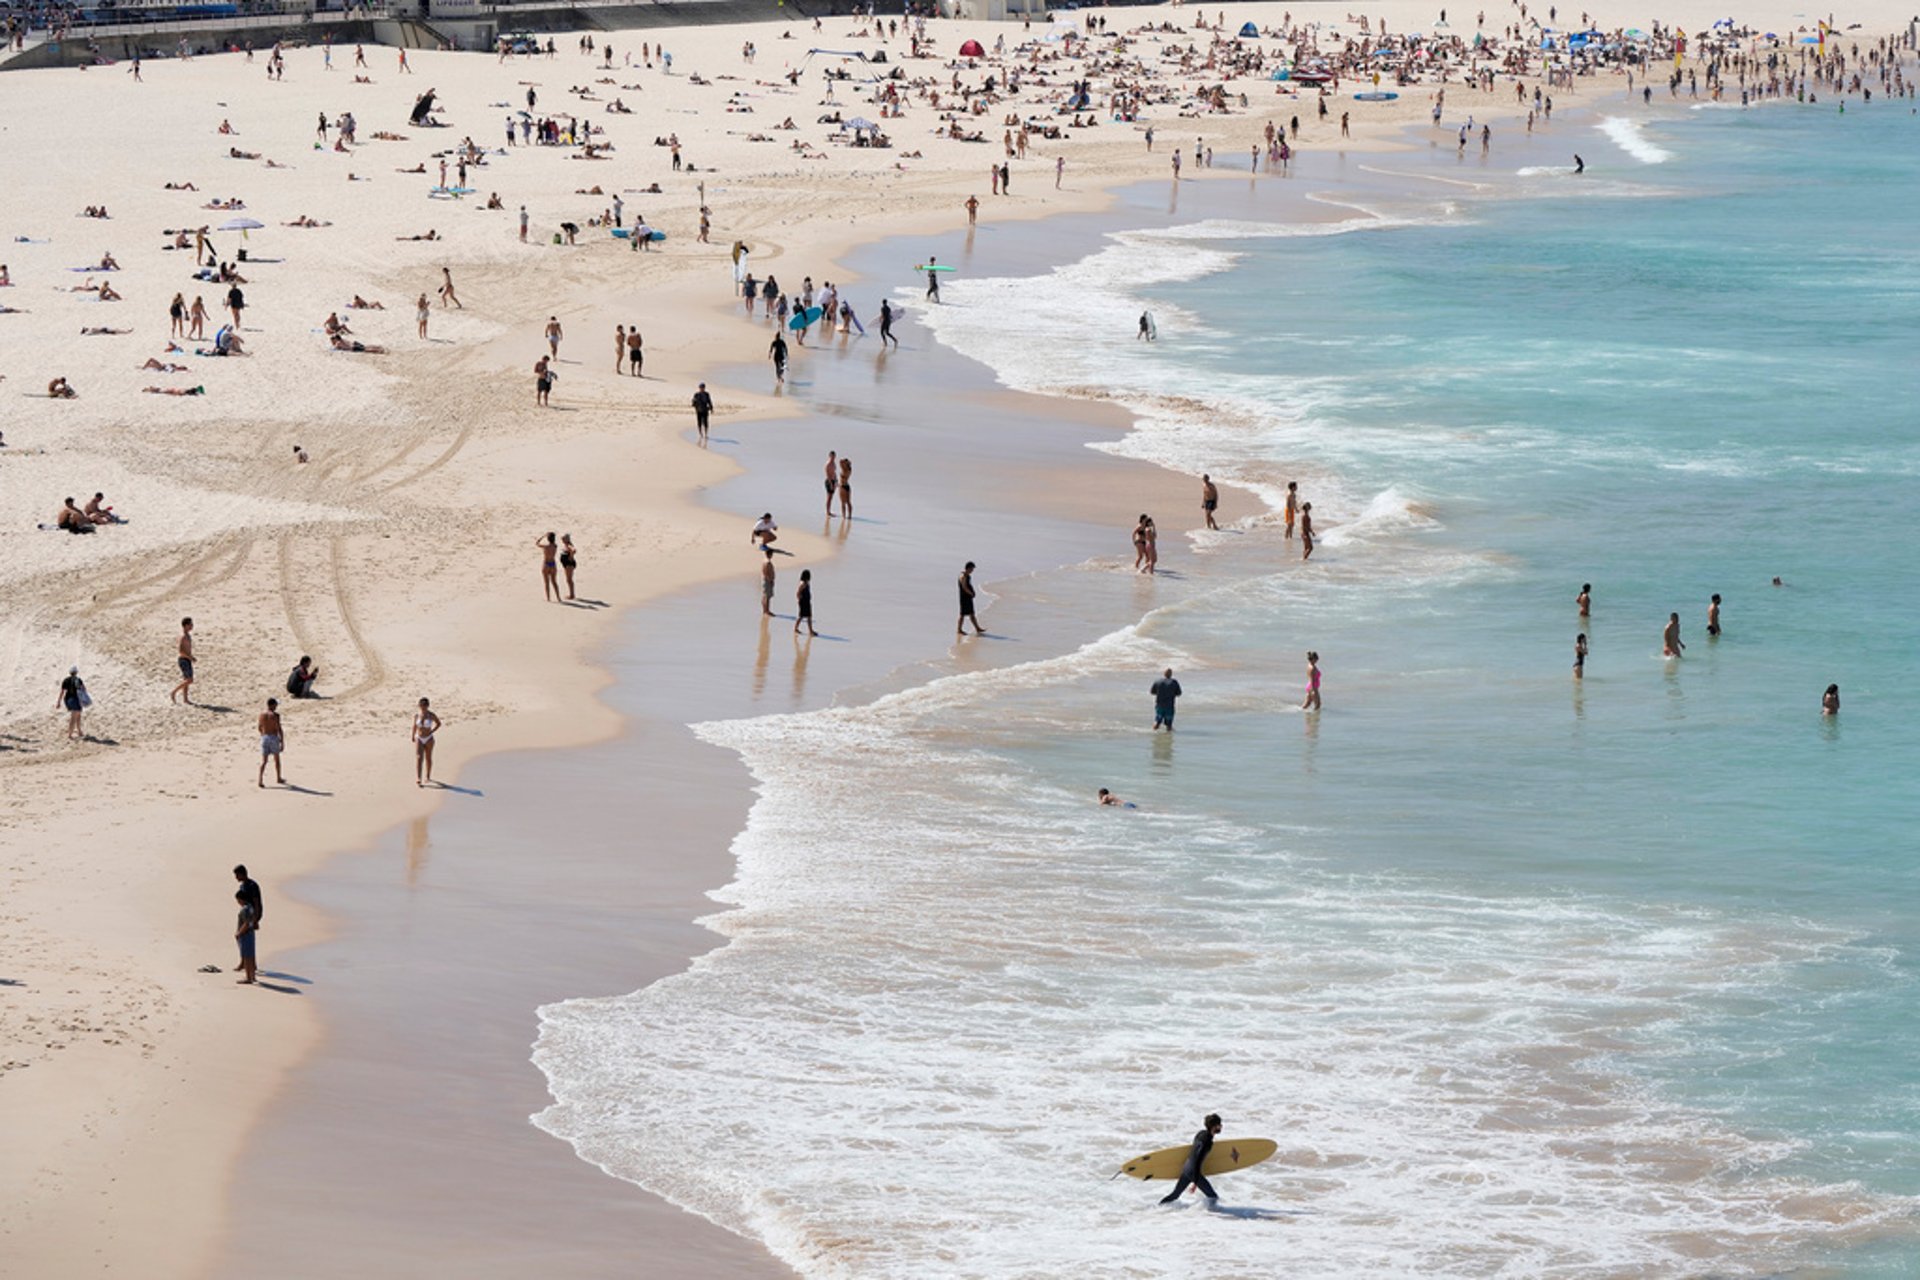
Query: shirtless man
[
  {"x": 766, "y": 583},
  {"x": 833, "y": 479},
  {"x": 967, "y": 594},
  {"x": 1713, "y": 615},
  {"x": 1293, "y": 505},
  {"x": 1585, "y": 598},
  {"x": 1209, "y": 499},
  {"x": 183, "y": 692},
  {"x": 636, "y": 352},
  {"x": 1670, "y": 643},
  {"x": 273, "y": 740},
  {"x": 553, "y": 336}
]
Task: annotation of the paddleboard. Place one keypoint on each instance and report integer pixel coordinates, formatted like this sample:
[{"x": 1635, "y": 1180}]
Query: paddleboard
[
  {"x": 1228, "y": 1155},
  {"x": 938, "y": 266},
  {"x": 802, "y": 319},
  {"x": 1375, "y": 97}
]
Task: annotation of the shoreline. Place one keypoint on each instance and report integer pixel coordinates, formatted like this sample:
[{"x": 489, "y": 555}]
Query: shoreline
[{"x": 571, "y": 716}]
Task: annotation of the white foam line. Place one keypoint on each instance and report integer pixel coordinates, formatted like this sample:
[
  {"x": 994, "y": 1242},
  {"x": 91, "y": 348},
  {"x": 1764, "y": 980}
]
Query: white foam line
[{"x": 1631, "y": 137}]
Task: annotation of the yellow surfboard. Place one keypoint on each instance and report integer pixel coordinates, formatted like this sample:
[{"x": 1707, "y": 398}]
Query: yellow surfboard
[{"x": 1228, "y": 1154}]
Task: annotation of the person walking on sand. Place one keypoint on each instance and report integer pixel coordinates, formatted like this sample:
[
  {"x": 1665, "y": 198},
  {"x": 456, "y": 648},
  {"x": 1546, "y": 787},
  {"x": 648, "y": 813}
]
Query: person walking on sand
[
  {"x": 1671, "y": 646},
  {"x": 1585, "y": 599},
  {"x": 967, "y": 595},
  {"x": 1306, "y": 530},
  {"x": 1192, "y": 1172},
  {"x": 1165, "y": 690},
  {"x": 846, "y": 489},
  {"x": 422, "y": 311},
  {"x": 777, "y": 352},
  {"x": 569, "y": 561},
  {"x": 554, "y": 335},
  {"x": 1713, "y": 617},
  {"x": 766, "y": 582},
  {"x": 543, "y": 382},
  {"x": 832, "y": 479},
  {"x": 1293, "y": 506},
  {"x": 425, "y": 725},
  {"x": 702, "y": 412},
  {"x": 273, "y": 740},
  {"x": 243, "y": 936},
  {"x": 183, "y": 692},
  {"x": 447, "y": 296},
  {"x": 74, "y": 700},
  {"x": 1312, "y": 702},
  {"x": 549, "y": 567},
  {"x": 1580, "y": 655},
  {"x": 1209, "y": 499},
  {"x": 803, "y": 604}
]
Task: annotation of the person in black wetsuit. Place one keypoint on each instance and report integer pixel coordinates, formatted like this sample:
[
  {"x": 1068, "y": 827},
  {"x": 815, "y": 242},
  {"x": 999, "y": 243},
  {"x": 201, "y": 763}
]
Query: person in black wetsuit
[{"x": 1190, "y": 1174}]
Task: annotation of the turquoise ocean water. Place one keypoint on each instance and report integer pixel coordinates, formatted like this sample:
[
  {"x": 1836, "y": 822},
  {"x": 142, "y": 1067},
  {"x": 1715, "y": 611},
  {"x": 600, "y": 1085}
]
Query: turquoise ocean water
[{"x": 1526, "y": 976}]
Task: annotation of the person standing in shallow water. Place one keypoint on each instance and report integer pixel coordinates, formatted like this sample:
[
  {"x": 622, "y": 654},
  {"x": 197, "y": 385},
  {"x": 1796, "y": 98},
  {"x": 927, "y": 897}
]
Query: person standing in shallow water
[
  {"x": 1209, "y": 499},
  {"x": 1671, "y": 645},
  {"x": 1713, "y": 616},
  {"x": 967, "y": 595},
  {"x": 1585, "y": 599},
  {"x": 1165, "y": 691},
  {"x": 1306, "y": 530},
  {"x": 1312, "y": 702},
  {"x": 1190, "y": 1173},
  {"x": 1830, "y": 701},
  {"x": 1580, "y": 655}
]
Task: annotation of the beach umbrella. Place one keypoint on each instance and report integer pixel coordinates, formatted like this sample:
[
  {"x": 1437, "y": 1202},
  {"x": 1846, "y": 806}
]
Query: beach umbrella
[
  {"x": 859, "y": 123},
  {"x": 972, "y": 49},
  {"x": 241, "y": 224}
]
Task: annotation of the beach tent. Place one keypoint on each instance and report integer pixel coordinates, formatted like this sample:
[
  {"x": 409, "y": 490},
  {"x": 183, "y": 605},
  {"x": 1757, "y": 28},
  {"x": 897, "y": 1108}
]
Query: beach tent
[
  {"x": 1248, "y": 31},
  {"x": 860, "y": 124},
  {"x": 972, "y": 49}
]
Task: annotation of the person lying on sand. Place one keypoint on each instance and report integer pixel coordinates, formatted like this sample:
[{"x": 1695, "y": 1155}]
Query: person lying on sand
[
  {"x": 387, "y": 135},
  {"x": 159, "y": 366},
  {"x": 237, "y": 154},
  {"x": 419, "y": 168},
  {"x": 235, "y": 203},
  {"x": 304, "y": 221},
  {"x": 60, "y": 389},
  {"x": 181, "y": 186},
  {"x": 367, "y": 348},
  {"x": 174, "y": 391},
  {"x": 431, "y": 235},
  {"x": 361, "y": 304},
  {"x": 101, "y": 331}
]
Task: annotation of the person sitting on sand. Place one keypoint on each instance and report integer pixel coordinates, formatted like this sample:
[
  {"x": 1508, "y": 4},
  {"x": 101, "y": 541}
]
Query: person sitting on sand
[
  {"x": 226, "y": 126},
  {"x": 300, "y": 679},
  {"x": 341, "y": 344},
  {"x": 335, "y": 325},
  {"x": 6, "y": 280},
  {"x": 59, "y": 389},
  {"x": 72, "y": 519},
  {"x": 99, "y": 512},
  {"x": 175, "y": 391},
  {"x": 107, "y": 263},
  {"x": 226, "y": 342},
  {"x": 493, "y": 201}
]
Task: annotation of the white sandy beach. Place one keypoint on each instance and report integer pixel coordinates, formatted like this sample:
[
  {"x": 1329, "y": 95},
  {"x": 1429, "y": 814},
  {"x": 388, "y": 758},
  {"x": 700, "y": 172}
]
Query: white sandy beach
[{"x": 401, "y": 555}]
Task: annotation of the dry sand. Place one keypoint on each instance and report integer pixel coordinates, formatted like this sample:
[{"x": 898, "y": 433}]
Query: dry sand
[{"x": 401, "y": 556}]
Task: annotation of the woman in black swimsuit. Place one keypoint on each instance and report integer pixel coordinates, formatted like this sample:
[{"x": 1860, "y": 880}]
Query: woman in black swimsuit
[
  {"x": 549, "y": 572},
  {"x": 568, "y": 560}
]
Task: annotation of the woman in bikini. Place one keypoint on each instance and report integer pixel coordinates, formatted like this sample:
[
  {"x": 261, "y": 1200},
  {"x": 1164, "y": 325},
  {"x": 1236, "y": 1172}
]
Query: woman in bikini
[
  {"x": 1313, "y": 682},
  {"x": 549, "y": 566},
  {"x": 425, "y": 725},
  {"x": 568, "y": 560},
  {"x": 846, "y": 488},
  {"x": 1306, "y": 530},
  {"x": 177, "y": 312},
  {"x": 1140, "y": 543},
  {"x": 197, "y": 318}
]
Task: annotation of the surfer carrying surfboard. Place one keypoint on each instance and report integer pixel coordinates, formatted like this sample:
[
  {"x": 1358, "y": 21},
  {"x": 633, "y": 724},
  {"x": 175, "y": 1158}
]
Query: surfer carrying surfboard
[{"x": 1190, "y": 1174}]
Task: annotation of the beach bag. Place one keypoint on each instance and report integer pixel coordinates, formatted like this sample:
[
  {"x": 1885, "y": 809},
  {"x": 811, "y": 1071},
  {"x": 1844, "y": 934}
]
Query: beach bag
[
  {"x": 86, "y": 699},
  {"x": 293, "y": 682}
]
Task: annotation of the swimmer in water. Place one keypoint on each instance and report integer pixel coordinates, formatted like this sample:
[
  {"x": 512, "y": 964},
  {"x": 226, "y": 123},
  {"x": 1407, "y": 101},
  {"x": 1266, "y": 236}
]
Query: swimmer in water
[
  {"x": 1580, "y": 655},
  {"x": 1585, "y": 598},
  {"x": 1671, "y": 645},
  {"x": 1108, "y": 798},
  {"x": 1829, "y": 703}
]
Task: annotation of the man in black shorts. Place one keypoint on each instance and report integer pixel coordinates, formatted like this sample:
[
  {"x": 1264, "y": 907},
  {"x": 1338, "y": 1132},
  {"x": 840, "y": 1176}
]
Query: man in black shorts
[
  {"x": 1209, "y": 499},
  {"x": 702, "y": 410},
  {"x": 183, "y": 692},
  {"x": 966, "y": 604}
]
